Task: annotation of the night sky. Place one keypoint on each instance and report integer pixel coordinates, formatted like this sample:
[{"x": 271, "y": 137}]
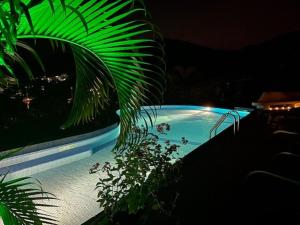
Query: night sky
[{"x": 225, "y": 24}]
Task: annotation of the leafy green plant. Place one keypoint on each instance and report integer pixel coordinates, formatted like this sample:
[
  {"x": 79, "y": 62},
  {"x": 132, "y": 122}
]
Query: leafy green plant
[
  {"x": 114, "y": 46},
  {"x": 11, "y": 12},
  {"x": 22, "y": 200},
  {"x": 136, "y": 178}
]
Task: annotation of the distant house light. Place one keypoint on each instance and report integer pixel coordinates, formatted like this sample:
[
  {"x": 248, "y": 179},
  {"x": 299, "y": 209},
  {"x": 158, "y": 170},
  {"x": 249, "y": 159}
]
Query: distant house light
[
  {"x": 279, "y": 101},
  {"x": 27, "y": 102}
]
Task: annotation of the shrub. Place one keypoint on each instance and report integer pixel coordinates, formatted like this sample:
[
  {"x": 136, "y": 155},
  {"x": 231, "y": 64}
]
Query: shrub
[{"x": 142, "y": 169}]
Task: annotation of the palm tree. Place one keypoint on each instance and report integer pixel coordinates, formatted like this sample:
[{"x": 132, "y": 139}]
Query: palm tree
[
  {"x": 114, "y": 46},
  {"x": 21, "y": 202},
  {"x": 113, "y": 43}
]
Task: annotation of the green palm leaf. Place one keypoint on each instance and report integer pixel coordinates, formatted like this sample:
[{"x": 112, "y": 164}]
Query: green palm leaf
[
  {"x": 119, "y": 47},
  {"x": 9, "y": 79},
  {"x": 21, "y": 201}
]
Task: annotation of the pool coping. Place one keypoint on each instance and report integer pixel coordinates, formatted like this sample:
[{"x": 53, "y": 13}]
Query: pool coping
[
  {"x": 194, "y": 107},
  {"x": 62, "y": 146}
]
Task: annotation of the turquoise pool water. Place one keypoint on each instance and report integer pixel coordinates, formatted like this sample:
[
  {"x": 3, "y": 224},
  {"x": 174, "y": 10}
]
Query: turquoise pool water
[
  {"x": 194, "y": 123},
  {"x": 64, "y": 169}
]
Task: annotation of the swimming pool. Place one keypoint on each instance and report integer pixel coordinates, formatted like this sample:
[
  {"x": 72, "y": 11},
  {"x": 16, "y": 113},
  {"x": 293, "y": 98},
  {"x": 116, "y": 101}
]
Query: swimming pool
[
  {"x": 194, "y": 123},
  {"x": 68, "y": 177}
]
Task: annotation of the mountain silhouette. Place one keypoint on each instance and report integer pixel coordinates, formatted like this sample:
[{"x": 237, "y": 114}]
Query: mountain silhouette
[{"x": 273, "y": 63}]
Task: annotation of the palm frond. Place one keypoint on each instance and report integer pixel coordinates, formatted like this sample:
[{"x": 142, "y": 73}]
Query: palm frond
[
  {"x": 10, "y": 153},
  {"x": 120, "y": 46},
  {"x": 10, "y": 13},
  {"x": 92, "y": 92},
  {"x": 9, "y": 78},
  {"x": 21, "y": 201}
]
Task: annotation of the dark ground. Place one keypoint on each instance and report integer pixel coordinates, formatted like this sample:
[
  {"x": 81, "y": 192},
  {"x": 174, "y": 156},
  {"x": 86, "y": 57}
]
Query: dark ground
[{"x": 215, "y": 189}]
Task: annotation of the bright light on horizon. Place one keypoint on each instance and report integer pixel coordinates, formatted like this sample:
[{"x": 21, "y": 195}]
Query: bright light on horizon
[{"x": 208, "y": 108}]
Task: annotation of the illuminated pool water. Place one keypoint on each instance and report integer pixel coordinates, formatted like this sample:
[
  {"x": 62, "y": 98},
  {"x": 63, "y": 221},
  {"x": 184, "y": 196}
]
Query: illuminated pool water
[
  {"x": 192, "y": 122},
  {"x": 69, "y": 179}
]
